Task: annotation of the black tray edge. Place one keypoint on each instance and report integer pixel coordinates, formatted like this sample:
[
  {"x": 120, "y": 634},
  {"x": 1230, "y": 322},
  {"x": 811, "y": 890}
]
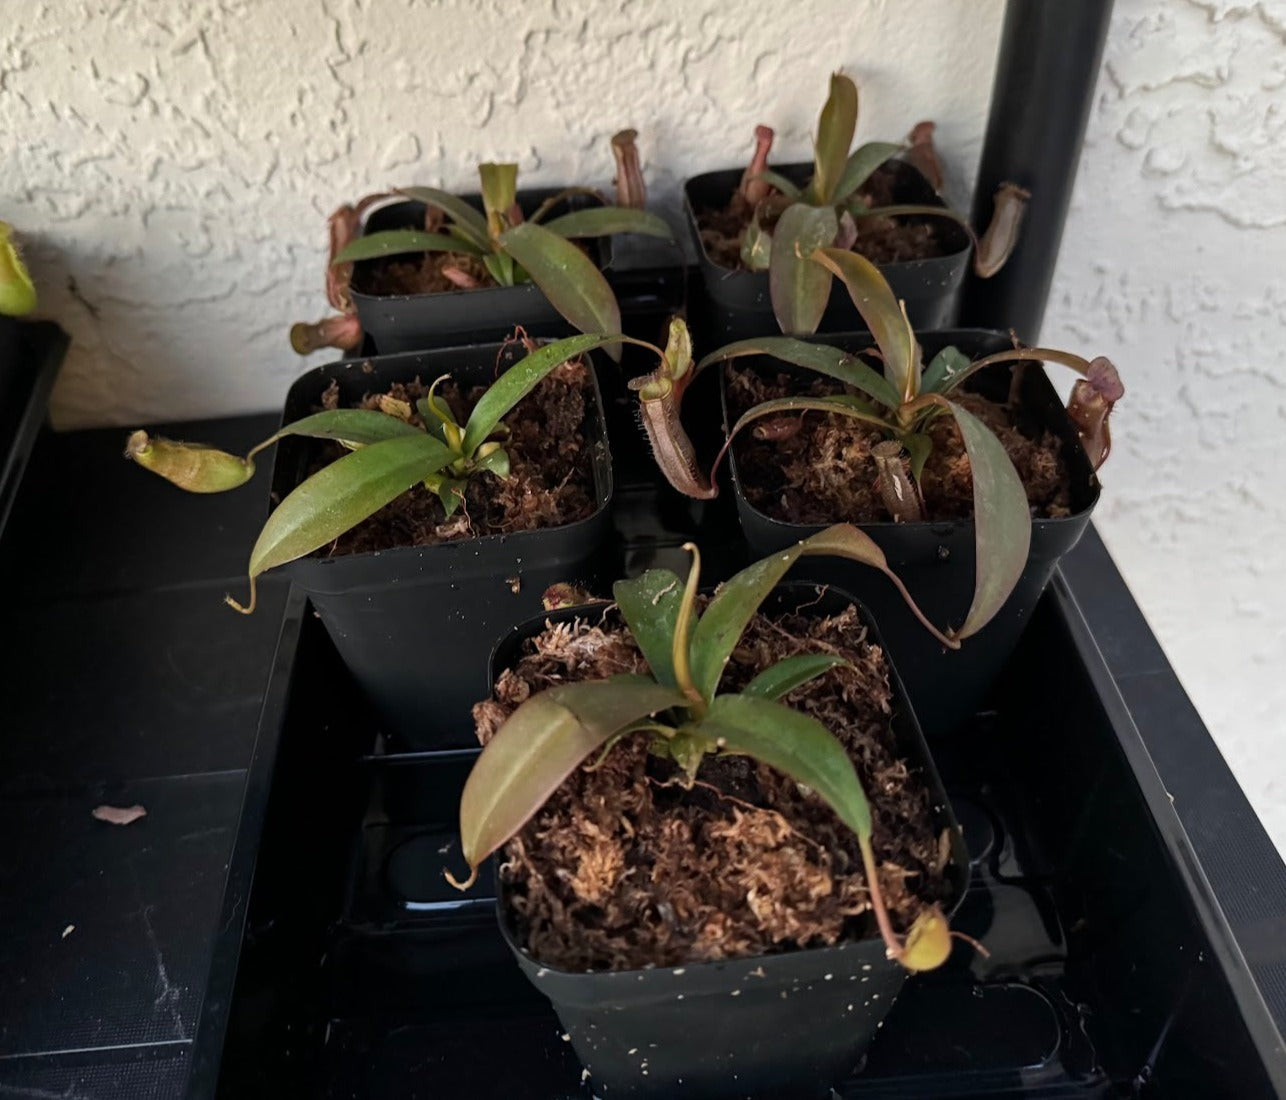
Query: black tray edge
[{"x": 48, "y": 343}]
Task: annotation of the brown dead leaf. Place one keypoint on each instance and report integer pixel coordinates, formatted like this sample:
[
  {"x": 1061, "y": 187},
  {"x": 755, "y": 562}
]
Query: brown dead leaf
[{"x": 119, "y": 815}]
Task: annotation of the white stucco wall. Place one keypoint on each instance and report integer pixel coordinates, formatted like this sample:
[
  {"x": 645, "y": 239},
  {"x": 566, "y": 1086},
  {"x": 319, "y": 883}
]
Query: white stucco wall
[{"x": 172, "y": 166}]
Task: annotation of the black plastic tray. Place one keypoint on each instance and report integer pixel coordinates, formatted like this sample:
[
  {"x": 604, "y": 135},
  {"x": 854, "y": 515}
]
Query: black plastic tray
[
  {"x": 345, "y": 966},
  {"x": 362, "y": 974}
]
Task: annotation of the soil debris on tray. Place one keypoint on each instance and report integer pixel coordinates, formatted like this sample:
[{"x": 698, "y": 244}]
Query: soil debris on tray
[
  {"x": 881, "y": 240},
  {"x": 824, "y": 472},
  {"x": 624, "y": 868},
  {"x": 551, "y": 479}
]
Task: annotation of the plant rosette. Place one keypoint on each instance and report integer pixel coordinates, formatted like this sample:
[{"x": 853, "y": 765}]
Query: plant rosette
[
  {"x": 755, "y": 239},
  {"x": 701, "y": 727},
  {"x": 435, "y": 265},
  {"x": 417, "y": 469}
]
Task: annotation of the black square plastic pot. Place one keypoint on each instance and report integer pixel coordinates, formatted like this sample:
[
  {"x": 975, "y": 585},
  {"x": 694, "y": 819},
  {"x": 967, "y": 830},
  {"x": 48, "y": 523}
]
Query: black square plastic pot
[
  {"x": 739, "y": 302},
  {"x": 936, "y": 561},
  {"x": 416, "y": 322},
  {"x": 775, "y": 1026},
  {"x": 416, "y": 625}
]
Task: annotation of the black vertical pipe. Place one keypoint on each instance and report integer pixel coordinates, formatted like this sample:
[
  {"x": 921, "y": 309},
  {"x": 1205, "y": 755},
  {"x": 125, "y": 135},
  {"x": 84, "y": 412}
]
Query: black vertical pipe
[{"x": 1046, "y": 70}]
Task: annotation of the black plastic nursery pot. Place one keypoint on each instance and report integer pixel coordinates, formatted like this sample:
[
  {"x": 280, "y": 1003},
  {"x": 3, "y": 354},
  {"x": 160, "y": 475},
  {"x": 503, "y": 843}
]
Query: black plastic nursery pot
[
  {"x": 416, "y": 624},
  {"x": 937, "y": 561},
  {"x": 415, "y": 322},
  {"x": 740, "y": 305},
  {"x": 790, "y": 1024}
]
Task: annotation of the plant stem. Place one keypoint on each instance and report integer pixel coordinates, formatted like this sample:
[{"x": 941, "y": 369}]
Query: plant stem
[{"x": 893, "y": 946}]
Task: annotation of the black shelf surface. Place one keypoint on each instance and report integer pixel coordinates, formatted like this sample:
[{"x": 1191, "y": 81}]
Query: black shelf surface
[{"x": 131, "y": 683}]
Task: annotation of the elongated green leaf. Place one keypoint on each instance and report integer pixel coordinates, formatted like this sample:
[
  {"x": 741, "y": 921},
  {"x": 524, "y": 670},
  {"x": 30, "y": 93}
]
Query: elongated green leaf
[
  {"x": 942, "y": 369},
  {"x": 538, "y": 747},
  {"x": 499, "y": 192},
  {"x": 785, "y": 676},
  {"x": 1075, "y": 362},
  {"x": 520, "y": 379},
  {"x": 500, "y": 267},
  {"x": 798, "y": 287},
  {"x": 835, "y": 130},
  {"x": 794, "y": 744},
  {"x": 864, "y": 160},
  {"x": 571, "y": 282},
  {"x": 650, "y": 605},
  {"x": 1001, "y": 519},
  {"x": 787, "y": 187},
  {"x": 602, "y": 221},
  {"x": 737, "y": 600},
  {"x": 397, "y": 242},
  {"x": 497, "y": 462},
  {"x": 840, "y": 404},
  {"x": 341, "y": 495},
  {"x": 918, "y": 447},
  {"x": 882, "y": 314},
  {"x": 352, "y": 427},
  {"x": 544, "y": 209},
  {"x": 756, "y": 247},
  {"x": 467, "y": 219},
  {"x": 832, "y": 362}
]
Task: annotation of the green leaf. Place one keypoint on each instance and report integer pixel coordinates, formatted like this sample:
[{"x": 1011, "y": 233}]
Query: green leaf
[
  {"x": 571, "y": 282},
  {"x": 832, "y": 362},
  {"x": 918, "y": 447},
  {"x": 650, "y": 606},
  {"x": 500, "y": 267},
  {"x": 794, "y": 744},
  {"x": 339, "y": 496},
  {"x": 468, "y": 220},
  {"x": 840, "y": 404},
  {"x": 352, "y": 427},
  {"x": 449, "y": 490},
  {"x": 799, "y": 288},
  {"x": 396, "y": 242},
  {"x": 756, "y": 247},
  {"x": 882, "y": 314},
  {"x": 1038, "y": 355},
  {"x": 785, "y": 676},
  {"x": 942, "y": 368},
  {"x": 519, "y": 380},
  {"x": 787, "y": 187},
  {"x": 542, "y": 211},
  {"x": 17, "y": 291},
  {"x": 864, "y": 160},
  {"x": 737, "y": 600},
  {"x": 835, "y": 130},
  {"x": 497, "y": 462},
  {"x": 538, "y": 747},
  {"x": 1001, "y": 519},
  {"x": 602, "y": 221},
  {"x": 499, "y": 193}
]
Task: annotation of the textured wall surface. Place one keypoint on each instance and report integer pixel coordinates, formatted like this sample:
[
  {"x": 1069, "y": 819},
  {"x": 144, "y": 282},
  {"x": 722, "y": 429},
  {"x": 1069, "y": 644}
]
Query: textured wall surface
[
  {"x": 173, "y": 165},
  {"x": 1174, "y": 264},
  {"x": 178, "y": 161}
]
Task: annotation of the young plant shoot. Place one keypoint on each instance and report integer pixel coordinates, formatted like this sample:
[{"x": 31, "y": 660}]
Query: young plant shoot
[
  {"x": 17, "y": 291},
  {"x": 900, "y": 402},
  {"x": 388, "y": 456},
  {"x": 788, "y": 222},
  {"x": 681, "y": 711},
  {"x": 512, "y": 249}
]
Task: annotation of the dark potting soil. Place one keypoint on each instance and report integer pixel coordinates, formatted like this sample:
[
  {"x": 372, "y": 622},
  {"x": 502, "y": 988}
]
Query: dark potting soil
[
  {"x": 881, "y": 240},
  {"x": 551, "y": 474},
  {"x": 819, "y": 467},
  {"x": 421, "y": 274},
  {"x": 624, "y": 868}
]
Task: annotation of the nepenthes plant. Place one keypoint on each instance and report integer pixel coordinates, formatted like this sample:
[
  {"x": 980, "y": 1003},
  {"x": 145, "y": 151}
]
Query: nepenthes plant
[
  {"x": 787, "y": 221},
  {"x": 498, "y": 243},
  {"x": 680, "y": 709},
  {"x": 900, "y": 401}
]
